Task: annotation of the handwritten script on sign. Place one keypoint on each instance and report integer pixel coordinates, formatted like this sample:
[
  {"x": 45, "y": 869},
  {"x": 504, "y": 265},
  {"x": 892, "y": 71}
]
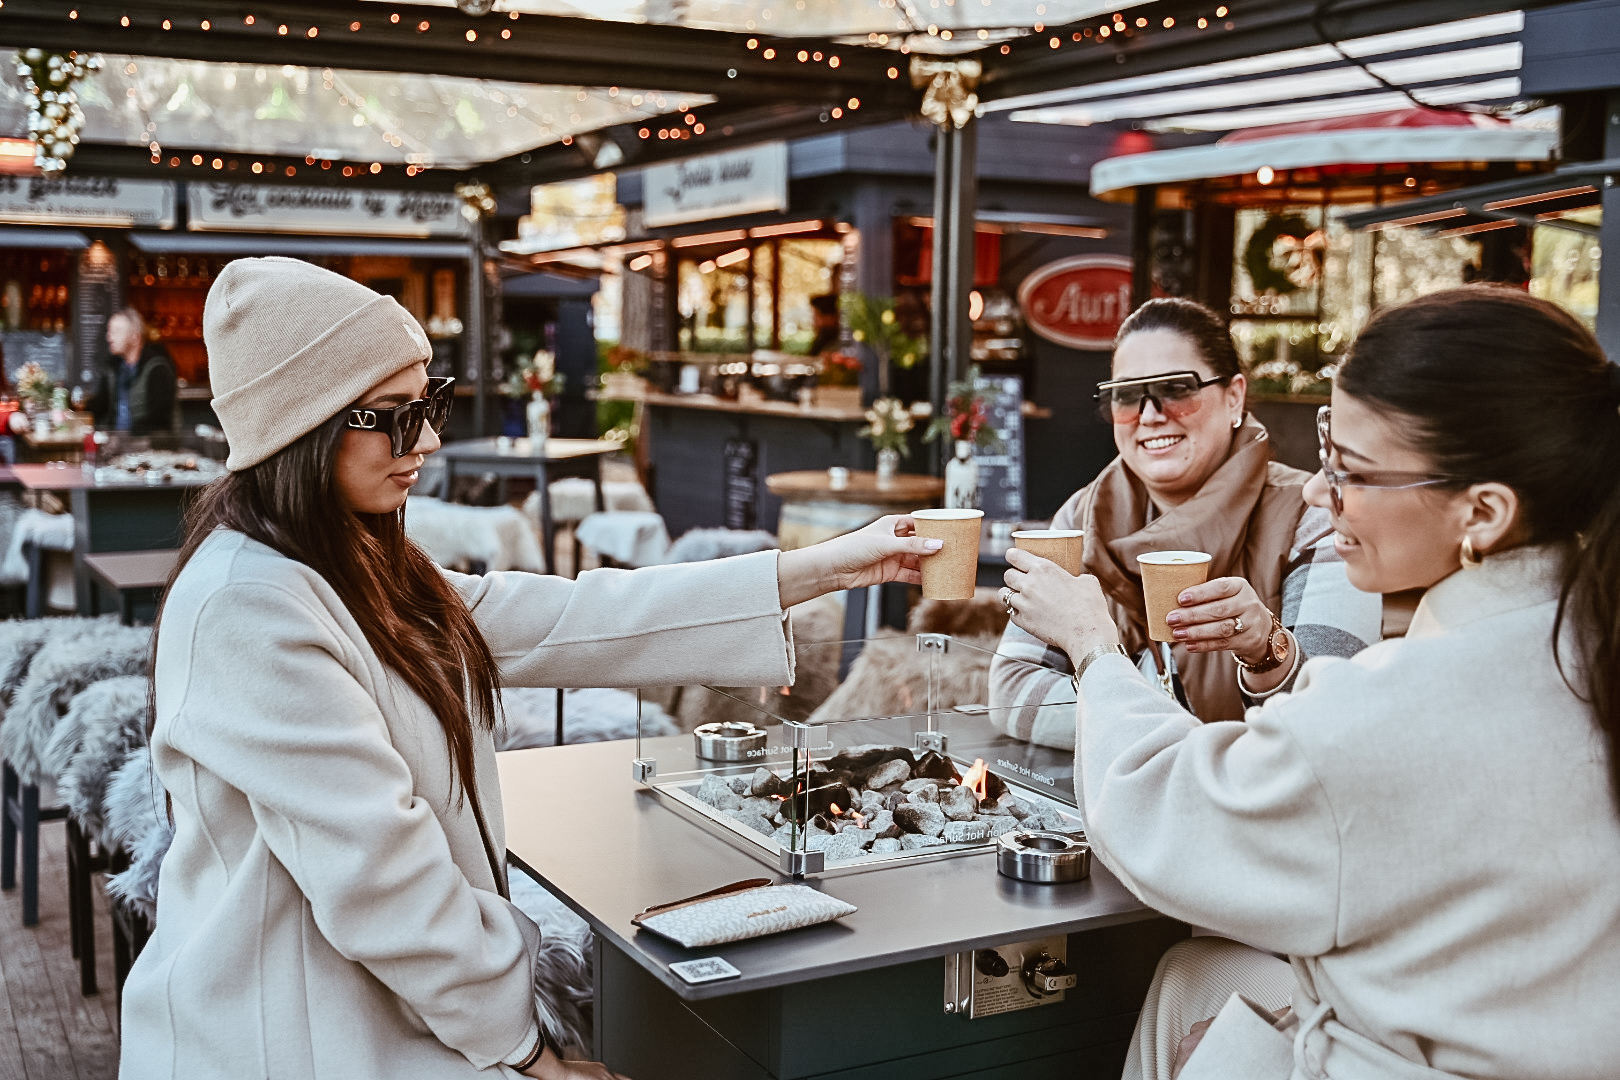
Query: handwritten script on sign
[
  {"x": 1078, "y": 302},
  {"x": 749, "y": 181}
]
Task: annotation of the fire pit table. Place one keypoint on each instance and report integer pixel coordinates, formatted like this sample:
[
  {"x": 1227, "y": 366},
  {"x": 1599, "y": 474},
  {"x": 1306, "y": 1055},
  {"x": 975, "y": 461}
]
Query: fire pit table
[{"x": 926, "y": 978}]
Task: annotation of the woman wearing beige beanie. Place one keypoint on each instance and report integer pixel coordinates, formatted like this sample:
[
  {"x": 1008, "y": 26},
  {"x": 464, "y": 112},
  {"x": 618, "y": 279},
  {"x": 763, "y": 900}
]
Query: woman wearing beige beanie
[{"x": 333, "y": 904}]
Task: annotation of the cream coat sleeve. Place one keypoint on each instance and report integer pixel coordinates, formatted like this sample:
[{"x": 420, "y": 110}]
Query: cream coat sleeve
[
  {"x": 299, "y": 733},
  {"x": 719, "y": 621},
  {"x": 1222, "y": 825}
]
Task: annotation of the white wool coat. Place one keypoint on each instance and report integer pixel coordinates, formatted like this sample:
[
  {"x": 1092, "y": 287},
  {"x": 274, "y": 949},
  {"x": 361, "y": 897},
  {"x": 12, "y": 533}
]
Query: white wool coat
[
  {"x": 327, "y": 911},
  {"x": 1426, "y": 830}
]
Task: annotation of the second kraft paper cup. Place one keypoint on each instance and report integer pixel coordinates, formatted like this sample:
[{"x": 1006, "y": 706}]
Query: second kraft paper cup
[
  {"x": 1062, "y": 546},
  {"x": 1164, "y": 575},
  {"x": 952, "y": 571}
]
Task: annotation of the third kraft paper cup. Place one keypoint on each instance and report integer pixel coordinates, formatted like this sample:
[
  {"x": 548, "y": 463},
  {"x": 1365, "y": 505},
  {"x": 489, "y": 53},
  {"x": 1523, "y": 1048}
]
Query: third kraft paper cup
[
  {"x": 1164, "y": 575},
  {"x": 951, "y": 572},
  {"x": 1062, "y": 546}
]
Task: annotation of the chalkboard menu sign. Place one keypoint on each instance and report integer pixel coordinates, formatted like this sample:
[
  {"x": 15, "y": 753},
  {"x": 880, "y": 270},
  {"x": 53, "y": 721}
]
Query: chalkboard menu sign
[
  {"x": 49, "y": 351},
  {"x": 741, "y": 479},
  {"x": 1001, "y": 468},
  {"x": 95, "y": 299}
]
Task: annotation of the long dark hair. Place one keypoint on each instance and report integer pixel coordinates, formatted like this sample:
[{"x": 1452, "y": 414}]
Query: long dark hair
[
  {"x": 411, "y": 617},
  {"x": 1497, "y": 385},
  {"x": 1193, "y": 321}
]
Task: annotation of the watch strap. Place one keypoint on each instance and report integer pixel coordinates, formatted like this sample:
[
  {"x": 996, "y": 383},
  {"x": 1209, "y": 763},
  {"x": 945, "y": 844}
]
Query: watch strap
[{"x": 1271, "y": 661}]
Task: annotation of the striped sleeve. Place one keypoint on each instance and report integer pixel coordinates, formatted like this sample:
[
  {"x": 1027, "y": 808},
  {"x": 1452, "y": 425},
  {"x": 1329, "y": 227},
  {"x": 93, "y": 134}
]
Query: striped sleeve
[{"x": 1327, "y": 615}]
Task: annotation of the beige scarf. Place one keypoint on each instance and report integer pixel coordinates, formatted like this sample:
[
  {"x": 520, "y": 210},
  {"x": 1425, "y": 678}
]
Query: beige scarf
[{"x": 1245, "y": 516}]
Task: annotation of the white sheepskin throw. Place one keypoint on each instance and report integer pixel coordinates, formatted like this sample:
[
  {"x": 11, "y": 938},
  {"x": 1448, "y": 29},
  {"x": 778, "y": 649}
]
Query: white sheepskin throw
[
  {"x": 137, "y": 822},
  {"x": 103, "y": 723},
  {"x": 455, "y": 536},
  {"x": 589, "y": 715},
  {"x": 700, "y": 545},
  {"x": 564, "y": 985},
  {"x": 64, "y": 666},
  {"x": 53, "y": 532},
  {"x": 573, "y": 498},
  {"x": 21, "y": 639}
]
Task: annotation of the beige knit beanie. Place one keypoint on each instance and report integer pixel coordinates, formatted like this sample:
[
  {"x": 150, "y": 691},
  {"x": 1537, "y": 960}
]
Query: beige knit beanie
[{"x": 290, "y": 345}]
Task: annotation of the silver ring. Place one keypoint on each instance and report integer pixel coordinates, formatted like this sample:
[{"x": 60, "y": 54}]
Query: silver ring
[
  {"x": 1237, "y": 624},
  {"x": 1006, "y": 596}
]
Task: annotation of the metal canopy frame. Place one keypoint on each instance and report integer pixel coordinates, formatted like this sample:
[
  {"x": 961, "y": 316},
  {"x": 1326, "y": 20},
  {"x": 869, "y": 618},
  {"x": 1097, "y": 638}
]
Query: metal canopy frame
[{"x": 1523, "y": 201}]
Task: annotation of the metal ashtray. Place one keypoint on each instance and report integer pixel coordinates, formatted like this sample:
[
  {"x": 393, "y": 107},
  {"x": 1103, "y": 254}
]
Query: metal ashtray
[
  {"x": 730, "y": 740},
  {"x": 1042, "y": 856}
]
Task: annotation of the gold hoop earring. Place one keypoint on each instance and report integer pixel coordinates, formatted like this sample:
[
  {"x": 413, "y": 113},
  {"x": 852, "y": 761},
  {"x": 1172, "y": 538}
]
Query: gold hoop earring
[{"x": 1471, "y": 559}]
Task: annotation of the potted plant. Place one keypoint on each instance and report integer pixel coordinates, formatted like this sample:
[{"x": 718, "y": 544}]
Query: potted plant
[
  {"x": 838, "y": 383},
  {"x": 872, "y": 322},
  {"x": 966, "y": 421},
  {"x": 887, "y": 422},
  {"x": 536, "y": 379},
  {"x": 37, "y": 392}
]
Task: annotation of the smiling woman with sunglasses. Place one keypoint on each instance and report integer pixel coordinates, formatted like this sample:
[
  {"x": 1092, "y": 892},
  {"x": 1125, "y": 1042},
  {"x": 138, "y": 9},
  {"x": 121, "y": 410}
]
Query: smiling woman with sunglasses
[
  {"x": 1194, "y": 471},
  {"x": 324, "y": 705},
  {"x": 1428, "y": 831}
]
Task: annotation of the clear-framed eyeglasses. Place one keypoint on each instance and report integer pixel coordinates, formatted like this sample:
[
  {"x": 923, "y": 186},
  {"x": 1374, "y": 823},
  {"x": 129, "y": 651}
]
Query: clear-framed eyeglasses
[{"x": 1388, "y": 479}]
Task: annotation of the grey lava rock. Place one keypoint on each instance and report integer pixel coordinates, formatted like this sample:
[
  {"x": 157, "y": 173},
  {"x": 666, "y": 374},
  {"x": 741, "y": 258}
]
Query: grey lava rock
[
  {"x": 959, "y": 803},
  {"x": 890, "y": 772},
  {"x": 1017, "y": 808},
  {"x": 928, "y": 793},
  {"x": 751, "y": 821},
  {"x": 718, "y": 794},
  {"x": 996, "y": 807},
  {"x": 966, "y": 832},
  {"x": 764, "y": 782},
  {"x": 739, "y": 784},
  {"x": 918, "y": 784},
  {"x": 1049, "y": 819},
  {"x": 880, "y": 820},
  {"x": 894, "y": 831},
  {"x": 886, "y": 845},
  {"x": 765, "y": 808},
  {"x": 846, "y": 845},
  {"x": 911, "y": 842},
  {"x": 818, "y": 841},
  {"x": 926, "y": 819},
  {"x": 1000, "y": 824},
  {"x": 894, "y": 800}
]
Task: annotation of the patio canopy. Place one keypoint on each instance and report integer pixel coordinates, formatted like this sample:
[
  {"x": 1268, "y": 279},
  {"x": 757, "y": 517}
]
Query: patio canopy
[{"x": 1406, "y": 136}]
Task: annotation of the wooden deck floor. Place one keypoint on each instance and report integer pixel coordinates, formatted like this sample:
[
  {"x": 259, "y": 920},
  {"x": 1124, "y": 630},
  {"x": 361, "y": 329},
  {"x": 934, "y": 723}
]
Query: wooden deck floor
[{"x": 48, "y": 1031}]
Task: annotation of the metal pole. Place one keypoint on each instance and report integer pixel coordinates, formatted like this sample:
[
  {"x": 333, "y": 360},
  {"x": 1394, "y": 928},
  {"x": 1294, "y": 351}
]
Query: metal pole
[
  {"x": 1147, "y": 198},
  {"x": 1608, "y": 316},
  {"x": 938, "y": 290},
  {"x": 477, "y": 352},
  {"x": 964, "y": 247}
]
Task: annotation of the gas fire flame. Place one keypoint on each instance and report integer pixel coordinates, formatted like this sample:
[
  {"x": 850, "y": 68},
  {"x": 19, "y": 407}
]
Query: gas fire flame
[
  {"x": 836, "y": 812},
  {"x": 975, "y": 778}
]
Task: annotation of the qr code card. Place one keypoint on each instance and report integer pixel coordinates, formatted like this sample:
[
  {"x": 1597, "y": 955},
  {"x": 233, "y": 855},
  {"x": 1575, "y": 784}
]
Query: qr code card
[{"x": 708, "y": 969}]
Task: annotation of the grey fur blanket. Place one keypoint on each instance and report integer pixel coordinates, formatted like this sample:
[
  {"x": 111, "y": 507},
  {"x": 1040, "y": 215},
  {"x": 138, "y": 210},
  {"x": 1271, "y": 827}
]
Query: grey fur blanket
[
  {"x": 62, "y": 667},
  {"x": 137, "y": 821},
  {"x": 102, "y": 725}
]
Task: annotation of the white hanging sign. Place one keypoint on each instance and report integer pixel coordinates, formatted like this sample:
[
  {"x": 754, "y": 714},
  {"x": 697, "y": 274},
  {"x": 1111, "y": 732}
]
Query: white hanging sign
[
  {"x": 747, "y": 181},
  {"x": 354, "y": 211},
  {"x": 86, "y": 200}
]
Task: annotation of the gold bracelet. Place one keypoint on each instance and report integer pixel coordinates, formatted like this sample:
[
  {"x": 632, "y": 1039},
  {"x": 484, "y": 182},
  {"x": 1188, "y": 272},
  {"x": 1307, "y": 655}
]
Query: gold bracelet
[{"x": 1092, "y": 657}]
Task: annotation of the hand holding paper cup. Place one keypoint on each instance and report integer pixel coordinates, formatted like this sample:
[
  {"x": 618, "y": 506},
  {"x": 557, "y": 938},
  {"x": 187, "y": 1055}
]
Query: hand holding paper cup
[
  {"x": 1062, "y": 546},
  {"x": 951, "y": 572},
  {"x": 1164, "y": 575}
]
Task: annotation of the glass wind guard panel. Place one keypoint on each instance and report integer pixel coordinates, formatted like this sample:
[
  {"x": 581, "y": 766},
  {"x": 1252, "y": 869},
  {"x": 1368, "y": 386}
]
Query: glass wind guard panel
[{"x": 861, "y": 760}]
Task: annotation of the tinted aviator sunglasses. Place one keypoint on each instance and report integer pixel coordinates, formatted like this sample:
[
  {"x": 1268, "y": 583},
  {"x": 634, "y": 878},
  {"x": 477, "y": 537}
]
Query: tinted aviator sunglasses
[
  {"x": 1176, "y": 395},
  {"x": 403, "y": 423},
  {"x": 1387, "y": 479}
]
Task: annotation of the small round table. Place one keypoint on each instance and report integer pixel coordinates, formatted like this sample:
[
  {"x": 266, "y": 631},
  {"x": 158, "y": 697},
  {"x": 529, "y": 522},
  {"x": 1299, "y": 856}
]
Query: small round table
[{"x": 813, "y": 511}]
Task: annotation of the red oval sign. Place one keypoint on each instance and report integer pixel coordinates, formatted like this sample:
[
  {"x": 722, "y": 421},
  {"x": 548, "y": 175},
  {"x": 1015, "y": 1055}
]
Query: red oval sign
[{"x": 1079, "y": 301}]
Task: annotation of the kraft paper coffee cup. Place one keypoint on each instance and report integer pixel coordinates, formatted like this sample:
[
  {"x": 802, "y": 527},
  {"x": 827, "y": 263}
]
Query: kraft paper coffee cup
[
  {"x": 1062, "y": 546},
  {"x": 951, "y": 572},
  {"x": 1164, "y": 575}
]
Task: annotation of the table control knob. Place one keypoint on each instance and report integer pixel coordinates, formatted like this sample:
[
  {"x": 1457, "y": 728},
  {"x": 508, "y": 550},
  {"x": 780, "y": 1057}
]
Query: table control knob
[
  {"x": 1045, "y": 974},
  {"x": 990, "y": 963}
]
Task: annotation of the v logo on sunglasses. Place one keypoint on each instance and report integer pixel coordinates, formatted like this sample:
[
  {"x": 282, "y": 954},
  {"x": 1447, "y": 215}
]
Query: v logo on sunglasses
[{"x": 403, "y": 423}]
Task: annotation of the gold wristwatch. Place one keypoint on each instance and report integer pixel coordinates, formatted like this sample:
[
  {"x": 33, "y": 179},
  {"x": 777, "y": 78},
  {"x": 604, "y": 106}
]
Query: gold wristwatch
[{"x": 1278, "y": 650}]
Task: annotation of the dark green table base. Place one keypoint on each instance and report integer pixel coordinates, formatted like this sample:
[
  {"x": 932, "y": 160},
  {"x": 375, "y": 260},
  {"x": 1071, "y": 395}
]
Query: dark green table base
[{"x": 886, "y": 1024}]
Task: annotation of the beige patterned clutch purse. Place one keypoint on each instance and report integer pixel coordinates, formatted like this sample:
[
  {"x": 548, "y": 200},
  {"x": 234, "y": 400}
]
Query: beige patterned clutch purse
[{"x": 741, "y": 910}]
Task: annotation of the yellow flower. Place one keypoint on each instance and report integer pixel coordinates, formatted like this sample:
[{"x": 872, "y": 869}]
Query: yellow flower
[
  {"x": 887, "y": 318},
  {"x": 859, "y": 335}
]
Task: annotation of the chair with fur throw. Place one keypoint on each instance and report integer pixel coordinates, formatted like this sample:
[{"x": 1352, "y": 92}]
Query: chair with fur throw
[{"x": 137, "y": 826}]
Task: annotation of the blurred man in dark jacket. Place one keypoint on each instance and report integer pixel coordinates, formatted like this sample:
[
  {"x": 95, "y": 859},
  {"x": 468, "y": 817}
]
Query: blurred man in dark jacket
[{"x": 135, "y": 390}]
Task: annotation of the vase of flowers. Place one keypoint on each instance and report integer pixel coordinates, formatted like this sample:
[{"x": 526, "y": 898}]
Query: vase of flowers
[
  {"x": 536, "y": 379},
  {"x": 887, "y": 422},
  {"x": 966, "y": 422},
  {"x": 838, "y": 382}
]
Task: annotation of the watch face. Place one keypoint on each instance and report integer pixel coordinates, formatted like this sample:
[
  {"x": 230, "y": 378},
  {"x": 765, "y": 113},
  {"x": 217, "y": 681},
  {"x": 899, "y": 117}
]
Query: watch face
[{"x": 1279, "y": 645}]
